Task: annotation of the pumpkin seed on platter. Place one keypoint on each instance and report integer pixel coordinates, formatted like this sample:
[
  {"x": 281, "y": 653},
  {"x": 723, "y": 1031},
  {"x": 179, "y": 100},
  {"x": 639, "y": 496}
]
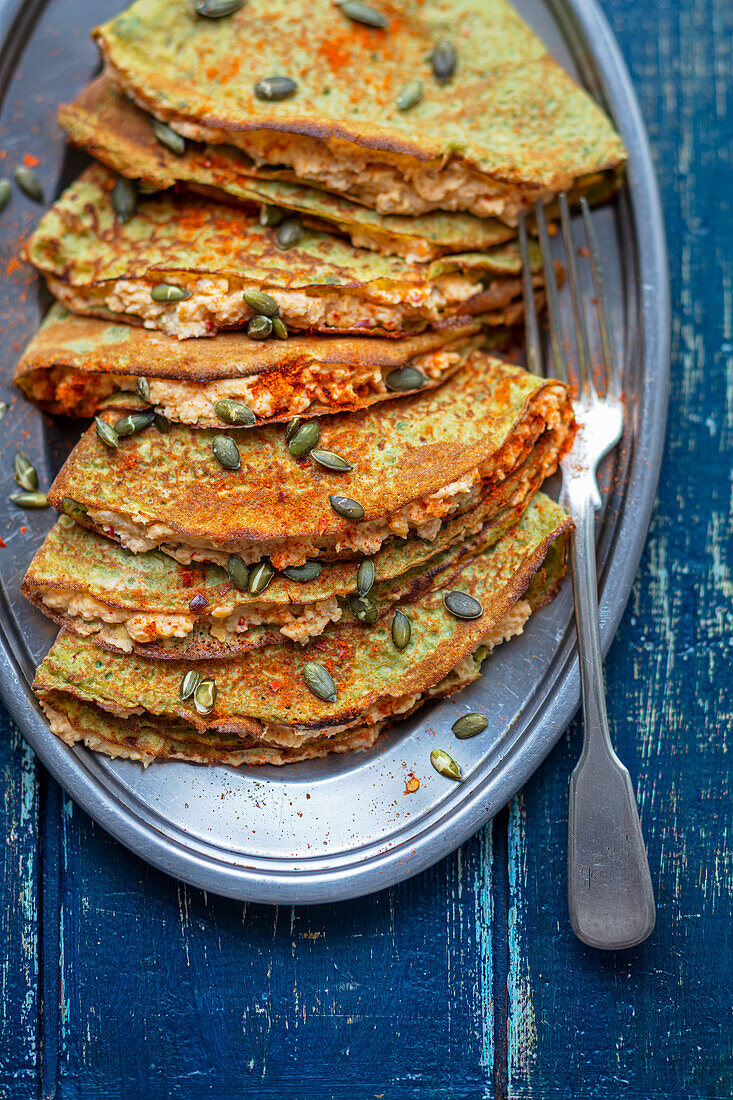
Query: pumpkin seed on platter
[
  {"x": 445, "y": 764},
  {"x": 25, "y": 473},
  {"x": 469, "y": 725}
]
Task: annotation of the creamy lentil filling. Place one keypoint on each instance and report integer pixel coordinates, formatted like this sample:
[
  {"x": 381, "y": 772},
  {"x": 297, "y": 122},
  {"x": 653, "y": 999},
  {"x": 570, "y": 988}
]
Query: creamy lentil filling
[
  {"x": 122, "y": 627},
  {"x": 422, "y": 517},
  {"x": 216, "y": 302},
  {"x": 363, "y": 730}
]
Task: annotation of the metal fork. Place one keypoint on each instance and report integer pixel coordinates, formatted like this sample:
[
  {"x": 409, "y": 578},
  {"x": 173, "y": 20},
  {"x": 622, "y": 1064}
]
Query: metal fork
[{"x": 610, "y": 894}]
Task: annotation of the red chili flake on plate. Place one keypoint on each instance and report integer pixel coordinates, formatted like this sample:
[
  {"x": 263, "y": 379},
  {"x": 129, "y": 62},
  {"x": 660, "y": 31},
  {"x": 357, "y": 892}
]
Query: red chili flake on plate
[
  {"x": 3, "y": 543},
  {"x": 30, "y": 161},
  {"x": 412, "y": 784},
  {"x": 198, "y": 603}
]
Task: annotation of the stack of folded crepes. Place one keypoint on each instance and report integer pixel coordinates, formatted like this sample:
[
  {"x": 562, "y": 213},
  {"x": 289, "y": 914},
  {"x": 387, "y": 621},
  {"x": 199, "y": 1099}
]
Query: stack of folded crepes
[{"x": 310, "y": 497}]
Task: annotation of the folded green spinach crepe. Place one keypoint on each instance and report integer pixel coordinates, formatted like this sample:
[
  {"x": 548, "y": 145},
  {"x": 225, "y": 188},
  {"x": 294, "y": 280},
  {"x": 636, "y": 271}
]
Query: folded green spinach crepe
[
  {"x": 184, "y": 264},
  {"x": 73, "y": 365},
  {"x": 261, "y": 709},
  {"x": 410, "y": 464},
  {"x": 495, "y": 124},
  {"x": 116, "y": 132}
]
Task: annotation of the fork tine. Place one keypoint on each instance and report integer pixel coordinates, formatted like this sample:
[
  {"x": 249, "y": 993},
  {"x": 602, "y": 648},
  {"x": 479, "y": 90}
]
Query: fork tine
[
  {"x": 611, "y": 363},
  {"x": 581, "y": 325},
  {"x": 559, "y": 365},
  {"x": 531, "y": 325}
]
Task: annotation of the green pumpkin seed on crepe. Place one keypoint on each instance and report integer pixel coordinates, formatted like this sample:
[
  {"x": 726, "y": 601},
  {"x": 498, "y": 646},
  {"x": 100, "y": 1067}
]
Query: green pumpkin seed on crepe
[
  {"x": 73, "y": 364},
  {"x": 211, "y": 254},
  {"x": 117, "y": 703},
  {"x": 511, "y": 127},
  {"x": 109, "y": 125},
  {"x": 416, "y": 460}
]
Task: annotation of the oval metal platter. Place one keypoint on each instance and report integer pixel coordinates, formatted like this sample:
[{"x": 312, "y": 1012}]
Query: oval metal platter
[{"x": 340, "y": 827}]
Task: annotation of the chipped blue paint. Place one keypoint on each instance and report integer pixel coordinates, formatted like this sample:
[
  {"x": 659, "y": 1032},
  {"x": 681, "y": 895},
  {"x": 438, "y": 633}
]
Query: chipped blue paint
[{"x": 118, "y": 984}]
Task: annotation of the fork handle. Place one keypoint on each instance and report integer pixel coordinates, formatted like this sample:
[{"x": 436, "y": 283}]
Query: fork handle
[{"x": 610, "y": 893}]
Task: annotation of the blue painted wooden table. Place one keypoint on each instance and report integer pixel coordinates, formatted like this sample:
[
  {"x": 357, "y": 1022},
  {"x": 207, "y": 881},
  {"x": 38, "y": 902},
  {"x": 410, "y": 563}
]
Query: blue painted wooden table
[{"x": 117, "y": 982}]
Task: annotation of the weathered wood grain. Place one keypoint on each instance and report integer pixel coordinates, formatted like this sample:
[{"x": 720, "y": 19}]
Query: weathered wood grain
[
  {"x": 119, "y": 983},
  {"x": 655, "y": 1022}
]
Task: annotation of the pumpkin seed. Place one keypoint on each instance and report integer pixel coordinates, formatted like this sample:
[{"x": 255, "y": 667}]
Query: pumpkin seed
[
  {"x": 410, "y": 95},
  {"x": 364, "y": 609},
  {"x": 260, "y": 577},
  {"x": 204, "y": 697},
  {"x": 365, "y": 577},
  {"x": 135, "y": 422},
  {"x": 362, "y": 13},
  {"x": 28, "y": 182},
  {"x": 401, "y": 629},
  {"x": 127, "y": 398},
  {"x": 189, "y": 683},
  {"x": 72, "y": 508},
  {"x": 259, "y": 328},
  {"x": 469, "y": 725},
  {"x": 3, "y": 408},
  {"x": 124, "y": 199},
  {"x": 330, "y": 460},
  {"x": 169, "y": 138},
  {"x": 320, "y": 681},
  {"x": 142, "y": 388},
  {"x": 25, "y": 473},
  {"x": 291, "y": 428},
  {"x": 278, "y": 328},
  {"x": 347, "y": 508},
  {"x": 274, "y": 88},
  {"x": 305, "y": 439},
  {"x": 462, "y": 606},
  {"x": 234, "y": 412},
  {"x": 6, "y": 193},
  {"x": 162, "y": 423},
  {"x": 445, "y": 764},
  {"x": 289, "y": 233},
  {"x": 237, "y": 572},
  {"x": 30, "y": 500},
  {"x": 308, "y": 571},
  {"x": 215, "y": 9},
  {"x": 443, "y": 60},
  {"x": 226, "y": 452},
  {"x": 106, "y": 433},
  {"x": 262, "y": 303},
  {"x": 405, "y": 378},
  {"x": 167, "y": 292},
  {"x": 271, "y": 216}
]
